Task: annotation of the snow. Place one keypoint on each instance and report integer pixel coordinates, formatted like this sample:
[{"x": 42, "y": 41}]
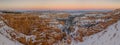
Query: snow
[
  {"x": 4, "y": 31},
  {"x": 110, "y": 36},
  {"x": 117, "y": 13},
  {"x": 44, "y": 16},
  {"x": 100, "y": 20},
  {"x": 31, "y": 37},
  {"x": 5, "y": 36},
  {"x": 6, "y": 41},
  {"x": 76, "y": 29},
  {"x": 60, "y": 26}
]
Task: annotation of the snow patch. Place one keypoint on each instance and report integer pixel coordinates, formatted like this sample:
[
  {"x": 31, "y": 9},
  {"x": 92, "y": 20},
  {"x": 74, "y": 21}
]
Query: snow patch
[{"x": 6, "y": 41}]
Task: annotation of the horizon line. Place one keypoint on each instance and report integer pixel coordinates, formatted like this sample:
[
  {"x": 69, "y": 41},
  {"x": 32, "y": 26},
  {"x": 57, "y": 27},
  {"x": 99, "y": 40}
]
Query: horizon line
[{"x": 61, "y": 9}]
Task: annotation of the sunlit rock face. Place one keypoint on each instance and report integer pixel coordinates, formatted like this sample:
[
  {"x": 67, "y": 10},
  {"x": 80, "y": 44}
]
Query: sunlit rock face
[{"x": 60, "y": 29}]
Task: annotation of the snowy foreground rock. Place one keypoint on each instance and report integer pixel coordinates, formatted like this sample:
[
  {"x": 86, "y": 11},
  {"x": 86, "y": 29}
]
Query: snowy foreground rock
[
  {"x": 110, "y": 36},
  {"x": 5, "y": 37},
  {"x": 5, "y": 41}
]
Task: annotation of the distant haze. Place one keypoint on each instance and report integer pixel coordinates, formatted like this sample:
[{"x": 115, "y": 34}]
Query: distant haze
[{"x": 59, "y": 4}]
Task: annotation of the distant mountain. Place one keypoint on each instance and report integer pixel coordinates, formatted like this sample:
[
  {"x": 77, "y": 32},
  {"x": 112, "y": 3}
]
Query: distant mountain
[{"x": 58, "y": 11}]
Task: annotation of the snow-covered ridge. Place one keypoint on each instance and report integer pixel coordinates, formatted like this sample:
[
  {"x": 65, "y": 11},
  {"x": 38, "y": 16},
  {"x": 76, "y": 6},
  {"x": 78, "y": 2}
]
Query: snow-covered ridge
[
  {"x": 5, "y": 38},
  {"x": 6, "y": 41},
  {"x": 110, "y": 36}
]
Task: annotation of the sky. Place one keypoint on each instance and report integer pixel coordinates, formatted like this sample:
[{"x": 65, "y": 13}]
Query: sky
[{"x": 59, "y": 4}]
